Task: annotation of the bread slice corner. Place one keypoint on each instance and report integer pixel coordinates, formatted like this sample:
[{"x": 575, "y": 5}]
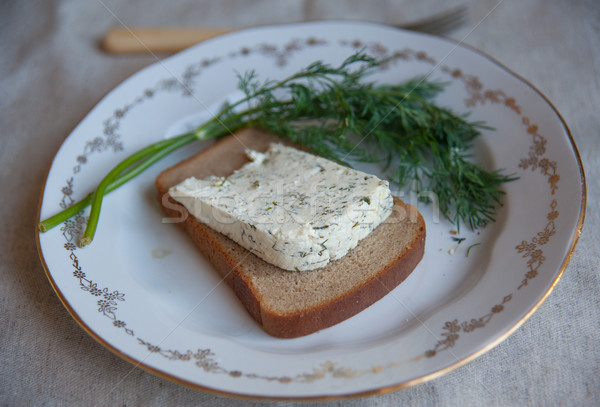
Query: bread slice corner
[{"x": 290, "y": 304}]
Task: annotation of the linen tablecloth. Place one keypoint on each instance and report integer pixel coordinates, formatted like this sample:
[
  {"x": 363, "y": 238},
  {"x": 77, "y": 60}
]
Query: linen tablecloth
[{"x": 52, "y": 73}]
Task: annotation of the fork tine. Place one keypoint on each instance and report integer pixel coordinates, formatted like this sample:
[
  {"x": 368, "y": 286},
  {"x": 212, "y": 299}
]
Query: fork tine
[
  {"x": 443, "y": 24},
  {"x": 441, "y": 17},
  {"x": 442, "y": 27},
  {"x": 440, "y": 23}
]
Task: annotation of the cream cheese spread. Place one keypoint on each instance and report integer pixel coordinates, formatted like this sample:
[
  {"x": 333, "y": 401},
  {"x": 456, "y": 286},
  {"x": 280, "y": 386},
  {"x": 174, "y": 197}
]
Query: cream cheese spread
[{"x": 290, "y": 208}]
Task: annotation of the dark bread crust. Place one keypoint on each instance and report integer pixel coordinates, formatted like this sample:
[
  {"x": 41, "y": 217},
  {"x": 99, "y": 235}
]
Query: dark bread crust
[
  {"x": 249, "y": 275},
  {"x": 355, "y": 301}
]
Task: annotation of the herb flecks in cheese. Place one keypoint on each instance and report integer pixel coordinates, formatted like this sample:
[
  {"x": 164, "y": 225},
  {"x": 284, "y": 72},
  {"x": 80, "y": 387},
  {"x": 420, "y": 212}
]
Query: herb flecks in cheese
[{"x": 292, "y": 209}]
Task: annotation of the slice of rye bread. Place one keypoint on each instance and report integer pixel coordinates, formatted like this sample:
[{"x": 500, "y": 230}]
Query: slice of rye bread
[{"x": 289, "y": 304}]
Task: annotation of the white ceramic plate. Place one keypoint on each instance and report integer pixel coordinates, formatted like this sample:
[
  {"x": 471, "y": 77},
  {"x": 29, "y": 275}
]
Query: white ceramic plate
[{"x": 143, "y": 290}]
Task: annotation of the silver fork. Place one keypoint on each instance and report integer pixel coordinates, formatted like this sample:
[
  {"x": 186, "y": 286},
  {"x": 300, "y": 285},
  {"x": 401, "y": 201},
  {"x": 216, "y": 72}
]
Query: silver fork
[
  {"x": 158, "y": 40},
  {"x": 440, "y": 23}
]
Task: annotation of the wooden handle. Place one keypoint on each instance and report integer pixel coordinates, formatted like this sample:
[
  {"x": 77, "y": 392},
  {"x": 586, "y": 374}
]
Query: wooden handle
[{"x": 156, "y": 40}]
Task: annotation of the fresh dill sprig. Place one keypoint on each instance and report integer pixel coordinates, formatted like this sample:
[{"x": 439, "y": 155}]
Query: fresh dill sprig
[
  {"x": 470, "y": 247},
  {"x": 337, "y": 114}
]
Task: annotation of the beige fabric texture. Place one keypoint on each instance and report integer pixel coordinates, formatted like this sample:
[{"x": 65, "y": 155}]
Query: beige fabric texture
[{"x": 52, "y": 73}]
